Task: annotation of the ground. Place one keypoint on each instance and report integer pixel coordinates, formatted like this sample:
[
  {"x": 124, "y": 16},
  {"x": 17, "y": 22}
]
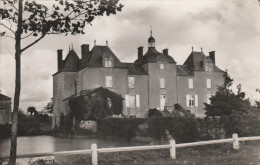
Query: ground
[{"x": 222, "y": 154}]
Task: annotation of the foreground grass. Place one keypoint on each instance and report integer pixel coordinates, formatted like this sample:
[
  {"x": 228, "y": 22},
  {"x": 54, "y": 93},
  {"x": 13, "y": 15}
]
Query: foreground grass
[{"x": 222, "y": 154}]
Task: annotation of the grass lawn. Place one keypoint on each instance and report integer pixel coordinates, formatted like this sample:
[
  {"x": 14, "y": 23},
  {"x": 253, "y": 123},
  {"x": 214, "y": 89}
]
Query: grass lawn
[{"x": 221, "y": 154}]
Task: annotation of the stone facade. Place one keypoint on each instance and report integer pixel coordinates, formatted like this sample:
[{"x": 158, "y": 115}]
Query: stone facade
[
  {"x": 154, "y": 80},
  {"x": 5, "y": 110}
]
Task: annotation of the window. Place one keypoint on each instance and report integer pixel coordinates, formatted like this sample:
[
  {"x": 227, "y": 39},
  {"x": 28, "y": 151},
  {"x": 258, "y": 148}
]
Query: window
[
  {"x": 192, "y": 100},
  {"x": 132, "y": 101},
  {"x": 131, "y": 82},
  {"x": 162, "y": 82},
  {"x": 208, "y": 83},
  {"x": 108, "y": 81},
  {"x": 191, "y": 83},
  {"x": 162, "y": 66},
  {"x": 208, "y": 67},
  {"x": 108, "y": 63}
]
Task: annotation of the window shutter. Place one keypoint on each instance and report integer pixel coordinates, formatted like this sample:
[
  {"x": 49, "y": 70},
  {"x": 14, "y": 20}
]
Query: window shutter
[
  {"x": 137, "y": 100},
  {"x": 187, "y": 100},
  {"x": 191, "y": 82},
  {"x": 196, "y": 101},
  {"x": 127, "y": 101},
  {"x": 208, "y": 83}
]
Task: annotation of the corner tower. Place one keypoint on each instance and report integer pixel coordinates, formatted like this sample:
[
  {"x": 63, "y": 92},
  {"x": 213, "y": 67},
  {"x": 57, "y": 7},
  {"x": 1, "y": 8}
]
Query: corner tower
[{"x": 161, "y": 70}]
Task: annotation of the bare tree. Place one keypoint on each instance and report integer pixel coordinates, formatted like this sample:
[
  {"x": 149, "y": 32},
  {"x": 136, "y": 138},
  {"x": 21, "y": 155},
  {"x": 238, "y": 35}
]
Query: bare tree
[{"x": 30, "y": 19}]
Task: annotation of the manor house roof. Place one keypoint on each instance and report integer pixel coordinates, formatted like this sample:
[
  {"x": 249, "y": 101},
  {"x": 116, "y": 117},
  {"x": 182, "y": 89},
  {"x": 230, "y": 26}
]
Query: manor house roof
[
  {"x": 97, "y": 53},
  {"x": 152, "y": 55},
  {"x": 195, "y": 59}
]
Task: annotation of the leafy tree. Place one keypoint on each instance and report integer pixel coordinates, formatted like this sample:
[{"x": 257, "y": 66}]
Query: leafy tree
[
  {"x": 226, "y": 101},
  {"x": 32, "y": 111},
  {"x": 49, "y": 107},
  {"x": 30, "y": 19}
]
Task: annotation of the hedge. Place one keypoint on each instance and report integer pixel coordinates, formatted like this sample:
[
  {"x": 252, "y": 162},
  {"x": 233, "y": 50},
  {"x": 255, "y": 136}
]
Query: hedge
[{"x": 182, "y": 129}]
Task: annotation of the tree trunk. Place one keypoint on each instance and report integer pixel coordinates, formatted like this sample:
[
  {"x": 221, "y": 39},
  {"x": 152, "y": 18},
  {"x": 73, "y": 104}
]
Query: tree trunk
[{"x": 12, "y": 160}]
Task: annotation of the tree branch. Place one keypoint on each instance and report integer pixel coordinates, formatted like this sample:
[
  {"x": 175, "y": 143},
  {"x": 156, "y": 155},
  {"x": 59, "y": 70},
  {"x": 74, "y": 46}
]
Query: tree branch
[
  {"x": 8, "y": 36},
  {"x": 12, "y": 5},
  {"x": 78, "y": 15},
  {"x": 34, "y": 42},
  {"x": 27, "y": 35},
  {"x": 56, "y": 32},
  {"x": 7, "y": 27}
]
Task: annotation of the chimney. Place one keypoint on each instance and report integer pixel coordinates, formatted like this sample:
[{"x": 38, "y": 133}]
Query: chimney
[
  {"x": 84, "y": 51},
  {"x": 140, "y": 52},
  {"x": 59, "y": 56},
  {"x": 165, "y": 51},
  {"x": 212, "y": 56}
]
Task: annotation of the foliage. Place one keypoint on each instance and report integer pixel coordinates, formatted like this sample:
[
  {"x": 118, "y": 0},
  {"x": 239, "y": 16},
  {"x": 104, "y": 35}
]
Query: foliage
[
  {"x": 243, "y": 125},
  {"x": 32, "y": 110},
  {"x": 181, "y": 129},
  {"x": 119, "y": 128},
  {"x": 28, "y": 19},
  {"x": 226, "y": 101},
  {"x": 62, "y": 17},
  {"x": 154, "y": 113},
  {"x": 235, "y": 112},
  {"x": 49, "y": 107},
  {"x": 43, "y": 161},
  {"x": 22, "y": 117}
]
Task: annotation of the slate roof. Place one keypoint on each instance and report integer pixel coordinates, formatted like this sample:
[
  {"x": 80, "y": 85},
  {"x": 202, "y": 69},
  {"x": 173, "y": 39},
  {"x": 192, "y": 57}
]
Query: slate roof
[
  {"x": 71, "y": 63},
  {"x": 96, "y": 54},
  {"x": 91, "y": 91},
  {"x": 152, "y": 55},
  {"x": 183, "y": 70},
  {"x": 4, "y": 97},
  {"x": 134, "y": 69},
  {"x": 194, "y": 62},
  {"x": 99, "y": 89}
]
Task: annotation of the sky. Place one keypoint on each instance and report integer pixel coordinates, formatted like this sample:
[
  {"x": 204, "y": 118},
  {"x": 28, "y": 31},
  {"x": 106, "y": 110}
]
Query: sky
[{"x": 229, "y": 27}]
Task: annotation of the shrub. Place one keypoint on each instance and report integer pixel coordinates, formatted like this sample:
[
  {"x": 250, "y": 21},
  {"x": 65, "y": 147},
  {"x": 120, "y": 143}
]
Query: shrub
[
  {"x": 181, "y": 129},
  {"x": 243, "y": 125},
  {"x": 119, "y": 128}
]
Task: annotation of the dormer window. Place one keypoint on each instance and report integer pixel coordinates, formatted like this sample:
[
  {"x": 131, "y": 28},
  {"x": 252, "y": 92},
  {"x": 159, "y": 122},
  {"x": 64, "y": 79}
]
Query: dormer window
[
  {"x": 208, "y": 67},
  {"x": 108, "y": 63},
  {"x": 208, "y": 64}
]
